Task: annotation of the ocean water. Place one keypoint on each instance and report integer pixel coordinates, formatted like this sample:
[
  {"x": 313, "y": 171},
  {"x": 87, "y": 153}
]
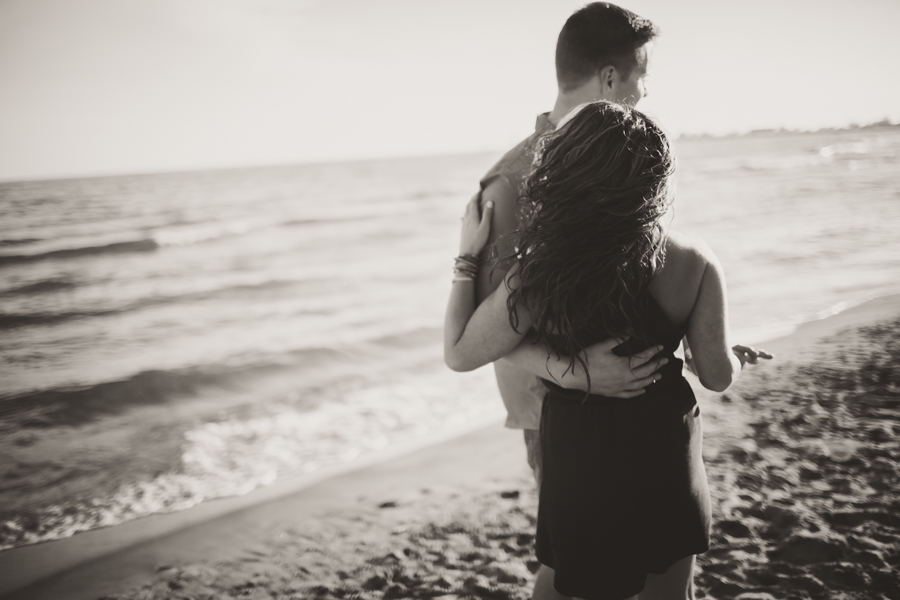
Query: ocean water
[{"x": 166, "y": 339}]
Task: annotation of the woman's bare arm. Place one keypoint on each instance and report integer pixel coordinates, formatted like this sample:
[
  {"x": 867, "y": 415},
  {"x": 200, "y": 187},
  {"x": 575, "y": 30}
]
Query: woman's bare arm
[
  {"x": 474, "y": 336},
  {"x": 713, "y": 361}
]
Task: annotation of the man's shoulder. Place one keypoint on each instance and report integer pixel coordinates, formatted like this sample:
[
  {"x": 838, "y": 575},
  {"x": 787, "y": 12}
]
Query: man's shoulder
[
  {"x": 517, "y": 159},
  {"x": 517, "y": 162}
]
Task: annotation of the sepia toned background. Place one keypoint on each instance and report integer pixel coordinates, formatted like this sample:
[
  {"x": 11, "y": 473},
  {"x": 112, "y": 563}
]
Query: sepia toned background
[{"x": 226, "y": 227}]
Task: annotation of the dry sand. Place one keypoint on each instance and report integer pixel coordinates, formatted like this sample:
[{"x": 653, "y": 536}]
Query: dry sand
[{"x": 802, "y": 457}]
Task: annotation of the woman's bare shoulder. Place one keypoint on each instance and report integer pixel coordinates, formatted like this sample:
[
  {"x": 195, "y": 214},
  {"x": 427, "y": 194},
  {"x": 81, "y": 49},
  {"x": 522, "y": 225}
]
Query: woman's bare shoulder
[
  {"x": 687, "y": 254},
  {"x": 677, "y": 284}
]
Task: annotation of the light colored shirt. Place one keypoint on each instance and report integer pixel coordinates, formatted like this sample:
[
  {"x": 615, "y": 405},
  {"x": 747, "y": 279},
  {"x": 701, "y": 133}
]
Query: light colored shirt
[{"x": 522, "y": 392}]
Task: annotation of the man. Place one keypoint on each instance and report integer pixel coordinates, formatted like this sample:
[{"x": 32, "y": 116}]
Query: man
[{"x": 602, "y": 53}]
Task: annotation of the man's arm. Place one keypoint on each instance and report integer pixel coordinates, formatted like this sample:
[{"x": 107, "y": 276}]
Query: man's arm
[{"x": 611, "y": 375}]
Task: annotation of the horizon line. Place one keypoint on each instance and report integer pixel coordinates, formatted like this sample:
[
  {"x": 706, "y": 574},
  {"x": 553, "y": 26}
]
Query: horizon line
[{"x": 885, "y": 122}]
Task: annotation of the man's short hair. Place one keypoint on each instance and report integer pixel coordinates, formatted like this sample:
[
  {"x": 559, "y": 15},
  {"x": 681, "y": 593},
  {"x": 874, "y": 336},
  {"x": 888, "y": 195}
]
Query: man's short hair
[{"x": 598, "y": 35}]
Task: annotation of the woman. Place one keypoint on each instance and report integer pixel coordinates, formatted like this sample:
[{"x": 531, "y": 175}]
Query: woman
[{"x": 624, "y": 505}]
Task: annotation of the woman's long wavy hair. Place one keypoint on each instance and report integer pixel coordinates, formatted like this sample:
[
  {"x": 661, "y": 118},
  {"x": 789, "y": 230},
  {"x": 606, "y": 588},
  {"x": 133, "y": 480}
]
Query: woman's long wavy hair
[{"x": 592, "y": 239}]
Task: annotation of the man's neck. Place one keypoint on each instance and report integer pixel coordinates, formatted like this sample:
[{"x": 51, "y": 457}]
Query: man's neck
[{"x": 566, "y": 101}]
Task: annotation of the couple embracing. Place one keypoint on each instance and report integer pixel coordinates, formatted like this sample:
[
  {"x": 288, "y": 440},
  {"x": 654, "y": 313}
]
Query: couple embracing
[{"x": 571, "y": 283}]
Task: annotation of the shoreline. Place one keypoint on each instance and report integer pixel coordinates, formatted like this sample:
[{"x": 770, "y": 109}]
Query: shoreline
[
  {"x": 25, "y": 565},
  {"x": 226, "y": 536},
  {"x": 873, "y": 309},
  {"x": 118, "y": 558}
]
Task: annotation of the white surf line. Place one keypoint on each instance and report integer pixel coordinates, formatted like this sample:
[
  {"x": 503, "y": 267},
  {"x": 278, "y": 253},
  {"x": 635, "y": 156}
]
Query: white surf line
[
  {"x": 780, "y": 329},
  {"x": 25, "y": 565}
]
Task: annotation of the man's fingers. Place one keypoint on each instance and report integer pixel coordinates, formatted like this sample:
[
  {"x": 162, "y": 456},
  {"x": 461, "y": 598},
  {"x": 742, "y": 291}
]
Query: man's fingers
[
  {"x": 644, "y": 356},
  {"x": 633, "y": 394},
  {"x": 648, "y": 353},
  {"x": 643, "y": 382},
  {"x": 649, "y": 368},
  {"x": 605, "y": 346}
]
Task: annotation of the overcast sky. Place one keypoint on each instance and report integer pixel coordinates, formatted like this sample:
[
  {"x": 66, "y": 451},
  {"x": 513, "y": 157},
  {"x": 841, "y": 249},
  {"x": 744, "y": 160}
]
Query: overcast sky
[{"x": 117, "y": 86}]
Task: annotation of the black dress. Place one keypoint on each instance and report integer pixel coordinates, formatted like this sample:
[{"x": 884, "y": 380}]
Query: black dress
[{"x": 624, "y": 489}]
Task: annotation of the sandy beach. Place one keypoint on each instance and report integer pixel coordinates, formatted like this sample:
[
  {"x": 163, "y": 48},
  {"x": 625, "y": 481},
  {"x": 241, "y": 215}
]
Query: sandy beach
[
  {"x": 802, "y": 458},
  {"x": 229, "y": 230}
]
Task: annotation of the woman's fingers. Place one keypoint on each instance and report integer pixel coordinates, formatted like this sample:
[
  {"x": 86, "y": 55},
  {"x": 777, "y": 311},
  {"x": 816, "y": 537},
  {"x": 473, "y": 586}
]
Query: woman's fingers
[
  {"x": 750, "y": 354},
  {"x": 486, "y": 215},
  {"x": 484, "y": 226},
  {"x": 747, "y": 355},
  {"x": 476, "y": 226},
  {"x": 472, "y": 207},
  {"x": 473, "y": 210}
]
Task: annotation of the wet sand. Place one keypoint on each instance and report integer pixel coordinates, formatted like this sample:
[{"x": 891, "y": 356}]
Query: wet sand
[{"x": 802, "y": 457}]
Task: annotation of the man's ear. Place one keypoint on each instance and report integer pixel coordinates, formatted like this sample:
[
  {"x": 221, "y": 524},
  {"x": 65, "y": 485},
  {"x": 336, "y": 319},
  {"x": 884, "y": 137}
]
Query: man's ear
[{"x": 607, "y": 76}]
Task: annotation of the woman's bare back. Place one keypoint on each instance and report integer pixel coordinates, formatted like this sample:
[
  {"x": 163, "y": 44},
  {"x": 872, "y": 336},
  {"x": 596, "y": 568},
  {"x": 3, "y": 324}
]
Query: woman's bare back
[
  {"x": 690, "y": 289},
  {"x": 676, "y": 286}
]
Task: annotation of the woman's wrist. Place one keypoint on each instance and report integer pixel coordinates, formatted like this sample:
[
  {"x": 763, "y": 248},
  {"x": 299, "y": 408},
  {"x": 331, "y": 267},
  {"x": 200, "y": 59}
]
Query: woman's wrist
[{"x": 465, "y": 267}]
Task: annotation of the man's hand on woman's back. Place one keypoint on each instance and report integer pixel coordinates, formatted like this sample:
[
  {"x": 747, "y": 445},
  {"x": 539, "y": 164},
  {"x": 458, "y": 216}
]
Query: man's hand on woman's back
[{"x": 610, "y": 374}]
